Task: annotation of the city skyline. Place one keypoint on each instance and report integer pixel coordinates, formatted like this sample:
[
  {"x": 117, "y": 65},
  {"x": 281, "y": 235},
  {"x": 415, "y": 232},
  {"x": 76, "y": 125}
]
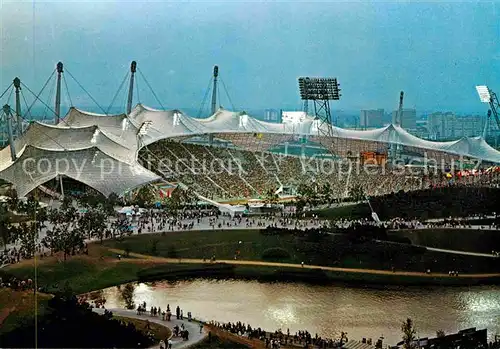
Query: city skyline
[{"x": 435, "y": 52}]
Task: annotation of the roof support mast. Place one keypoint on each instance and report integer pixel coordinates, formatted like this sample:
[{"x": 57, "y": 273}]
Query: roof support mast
[
  {"x": 8, "y": 116},
  {"x": 59, "y": 69},
  {"x": 133, "y": 67},
  {"x": 397, "y": 120},
  {"x": 214, "y": 101},
  {"x": 214, "y": 91},
  {"x": 19, "y": 122},
  {"x": 487, "y": 124}
]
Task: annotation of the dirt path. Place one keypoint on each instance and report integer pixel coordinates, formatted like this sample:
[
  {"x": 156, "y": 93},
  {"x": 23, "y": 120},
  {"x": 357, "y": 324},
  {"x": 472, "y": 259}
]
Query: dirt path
[
  {"x": 4, "y": 313},
  {"x": 305, "y": 266}
]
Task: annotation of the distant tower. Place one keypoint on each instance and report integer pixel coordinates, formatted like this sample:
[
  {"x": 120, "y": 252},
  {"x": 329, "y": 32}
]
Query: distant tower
[
  {"x": 19, "y": 122},
  {"x": 133, "y": 67},
  {"x": 214, "y": 91},
  {"x": 59, "y": 68},
  {"x": 8, "y": 117}
]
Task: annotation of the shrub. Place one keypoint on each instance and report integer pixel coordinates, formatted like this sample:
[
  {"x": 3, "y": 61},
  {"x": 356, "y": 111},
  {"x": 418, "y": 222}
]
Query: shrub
[{"x": 275, "y": 253}]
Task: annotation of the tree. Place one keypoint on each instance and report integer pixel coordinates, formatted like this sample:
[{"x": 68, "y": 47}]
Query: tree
[
  {"x": 145, "y": 196},
  {"x": 127, "y": 293},
  {"x": 12, "y": 200},
  {"x": 440, "y": 334},
  {"x": 7, "y": 230},
  {"x": 27, "y": 235},
  {"x": 174, "y": 202},
  {"x": 93, "y": 223},
  {"x": 112, "y": 201},
  {"x": 64, "y": 234},
  {"x": 409, "y": 334},
  {"x": 32, "y": 208}
]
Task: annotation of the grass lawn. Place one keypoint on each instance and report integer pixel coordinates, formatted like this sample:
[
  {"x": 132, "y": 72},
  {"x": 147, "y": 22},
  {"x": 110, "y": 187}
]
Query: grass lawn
[
  {"x": 160, "y": 332},
  {"x": 79, "y": 274},
  {"x": 204, "y": 244},
  {"x": 18, "y": 307},
  {"x": 82, "y": 273},
  {"x": 356, "y": 211},
  {"x": 102, "y": 269}
]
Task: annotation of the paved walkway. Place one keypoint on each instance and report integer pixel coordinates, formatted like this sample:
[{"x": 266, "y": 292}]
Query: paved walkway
[
  {"x": 193, "y": 327},
  {"x": 460, "y": 252}
]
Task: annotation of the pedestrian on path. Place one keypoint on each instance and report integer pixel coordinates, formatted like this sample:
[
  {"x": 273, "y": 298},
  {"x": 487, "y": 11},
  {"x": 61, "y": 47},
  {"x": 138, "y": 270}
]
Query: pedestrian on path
[
  {"x": 170, "y": 344},
  {"x": 162, "y": 344},
  {"x": 201, "y": 327}
]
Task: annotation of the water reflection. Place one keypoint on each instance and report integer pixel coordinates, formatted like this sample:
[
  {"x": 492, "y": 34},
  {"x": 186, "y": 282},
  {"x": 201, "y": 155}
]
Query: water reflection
[{"x": 326, "y": 310}]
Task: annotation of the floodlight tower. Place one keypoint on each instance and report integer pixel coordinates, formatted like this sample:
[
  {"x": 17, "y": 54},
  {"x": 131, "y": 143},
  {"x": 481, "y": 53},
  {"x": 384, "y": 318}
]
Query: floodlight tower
[
  {"x": 19, "y": 122},
  {"x": 488, "y": 96},
  {"x": 321, "y": 91},
  {"x": 486, "y": 124},
  {"x": 306, "y": 106},
  {"x": 8, "y": 118},
  {"x": 59, "y": 69},
  {"x": 133, "y": 68}
]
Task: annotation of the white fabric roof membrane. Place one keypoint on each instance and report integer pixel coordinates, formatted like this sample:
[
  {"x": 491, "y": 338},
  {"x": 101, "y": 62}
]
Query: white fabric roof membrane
[
  {"x": 90, "y": 166},
  {"x": 118, "y": 126},
  {"x": 98, "y": 150},
  {"x": 166, "y": 125},
  {"x": 83, "y": 137}
]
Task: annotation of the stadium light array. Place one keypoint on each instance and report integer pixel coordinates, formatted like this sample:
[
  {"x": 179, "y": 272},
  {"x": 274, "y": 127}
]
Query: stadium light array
[
  {"x": 484, "y": 93},
  {"x": 319, "y": 89}
]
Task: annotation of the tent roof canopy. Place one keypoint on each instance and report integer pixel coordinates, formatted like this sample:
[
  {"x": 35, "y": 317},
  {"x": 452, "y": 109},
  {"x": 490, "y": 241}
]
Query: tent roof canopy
[{"x": 81, "y": 137}]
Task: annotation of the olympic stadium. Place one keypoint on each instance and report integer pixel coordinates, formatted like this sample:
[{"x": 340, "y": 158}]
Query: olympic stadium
[{"x": 108, "y": 152}]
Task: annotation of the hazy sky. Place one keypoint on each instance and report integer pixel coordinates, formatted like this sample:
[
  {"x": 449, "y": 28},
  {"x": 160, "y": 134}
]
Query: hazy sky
[{"x": 436, "y": 52}]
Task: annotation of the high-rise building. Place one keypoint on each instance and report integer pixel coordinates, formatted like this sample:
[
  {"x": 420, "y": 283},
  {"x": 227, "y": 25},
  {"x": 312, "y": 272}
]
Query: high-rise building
[
  {"x": 443, "y": 126},
  {"x": 408, "y": 118},
  {"x": 371, "y": 118},
  {"x": 469, "y": 126}
]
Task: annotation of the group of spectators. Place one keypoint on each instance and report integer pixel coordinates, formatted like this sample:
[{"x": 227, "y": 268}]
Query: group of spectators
[
  {"x": 16, "y": 284},
  {"x": 274, "y": 340},
  {"x": 230, "y": 173}
]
